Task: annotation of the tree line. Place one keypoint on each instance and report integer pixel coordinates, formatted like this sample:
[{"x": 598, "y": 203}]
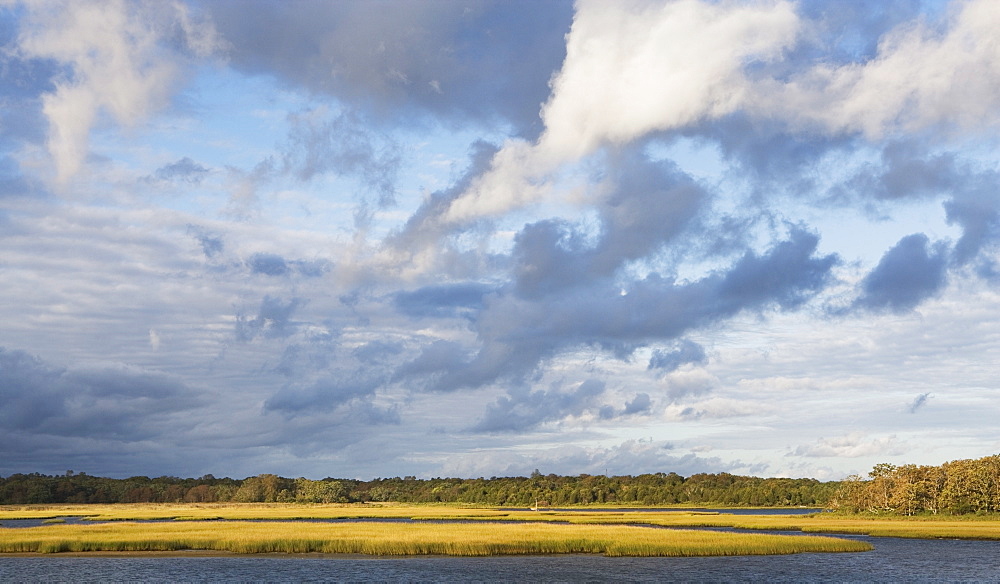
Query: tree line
[
  {"x": 547, "y": 490},
  {"x": 956, "y": 488}
]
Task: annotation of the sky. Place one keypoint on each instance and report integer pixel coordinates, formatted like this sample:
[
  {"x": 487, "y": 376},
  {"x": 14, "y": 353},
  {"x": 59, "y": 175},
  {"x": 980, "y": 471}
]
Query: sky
[{"x": 365, "y": 239}]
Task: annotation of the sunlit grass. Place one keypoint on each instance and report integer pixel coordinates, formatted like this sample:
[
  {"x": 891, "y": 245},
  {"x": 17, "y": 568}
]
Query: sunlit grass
[
  {"x": 908, "y": 527},
  {"x": 455, "y": 539},
  {"x": 917, "y": 527}
]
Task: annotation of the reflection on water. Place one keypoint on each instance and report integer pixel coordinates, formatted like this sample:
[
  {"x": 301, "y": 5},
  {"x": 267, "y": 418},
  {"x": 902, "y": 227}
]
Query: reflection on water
[{"x": 893, "y": 560}]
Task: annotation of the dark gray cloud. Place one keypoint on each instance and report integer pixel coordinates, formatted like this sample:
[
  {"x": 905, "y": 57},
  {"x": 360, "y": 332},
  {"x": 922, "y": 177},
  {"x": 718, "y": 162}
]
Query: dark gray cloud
[
  {"x": 323, "y": 395},
  {"x": 445, "y": 300},
  {"x": 117, "y": 402},
  {"x": 184, "y": 170},
  {"x": 918, "y": 402},
  {"x": 211, "y": 244},
  {"x": 776, "y": 159},
  {"x": 270, "y": 264},
  {"x": 910, "y": 272},
  {"x": 906, "y": 170},
  {"x": 273, "y": 319},
  {"x": 651, "y": 204},
  {"x": 640, "y": 404},
  {"x": 685, "y": 352},
  {"x": 479, "y": 60},
  {"x": 517, "y": 333},
  {"x": 976, "y": 208},
  {"x": 523, "y": 409},
  {"x": 436, "y": 360}
]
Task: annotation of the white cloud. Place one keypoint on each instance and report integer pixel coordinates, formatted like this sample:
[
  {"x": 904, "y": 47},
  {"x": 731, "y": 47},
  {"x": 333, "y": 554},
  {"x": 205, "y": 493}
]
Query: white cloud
[
  {"x": 118, "y": 62},
  {"x": 632, "y": 68},
  {"x": 635, "y": 67},
  {"x": 853, "y": 445},
  {"x": 919, "y": 79}
]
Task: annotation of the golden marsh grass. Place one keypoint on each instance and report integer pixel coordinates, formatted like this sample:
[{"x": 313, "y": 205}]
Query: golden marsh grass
[
  {"x": 457, "y": 539},
  {"x": 507, "y": 531}
]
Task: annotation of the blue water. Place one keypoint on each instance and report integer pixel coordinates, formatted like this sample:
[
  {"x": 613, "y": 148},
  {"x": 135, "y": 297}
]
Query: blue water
[
  {"x": 893, "y": 560},
  {"x": 755, "y": 511}
]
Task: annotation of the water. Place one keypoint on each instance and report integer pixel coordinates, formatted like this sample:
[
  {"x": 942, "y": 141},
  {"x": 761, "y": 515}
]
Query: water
[
  {"x": 893, "y": 560},
  {"x": 754, "y": 511}
]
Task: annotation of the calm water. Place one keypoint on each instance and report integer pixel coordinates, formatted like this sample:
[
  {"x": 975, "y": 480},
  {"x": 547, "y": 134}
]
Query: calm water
[
  {"x": 894, "y": 560},
  {"x": 756, "y": 511}
]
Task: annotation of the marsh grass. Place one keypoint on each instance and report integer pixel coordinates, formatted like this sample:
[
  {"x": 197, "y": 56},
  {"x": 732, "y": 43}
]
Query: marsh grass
[
  {"x": 210, "y": 514},
  {"x": 453, "y": 539}
]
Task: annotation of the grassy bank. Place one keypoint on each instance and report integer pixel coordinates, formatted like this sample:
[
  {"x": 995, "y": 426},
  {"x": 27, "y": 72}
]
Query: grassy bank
[{"x": 456, "y": 539}]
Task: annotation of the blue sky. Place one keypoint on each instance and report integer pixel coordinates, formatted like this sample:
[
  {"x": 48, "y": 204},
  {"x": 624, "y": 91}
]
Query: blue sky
[{"x": 436, "y": 238}]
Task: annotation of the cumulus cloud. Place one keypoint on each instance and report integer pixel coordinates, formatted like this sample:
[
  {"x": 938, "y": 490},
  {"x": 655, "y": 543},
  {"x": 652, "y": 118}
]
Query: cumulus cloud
[
  {"x": 660, "y": 66},
  {"x": 517, "y": 333},
  {"x": 670, "y": 66},
  {"x": 475, "y": 61},
  {"x": 905, "y": 171},
  {"x": 121, "y": 59},
  {"x": 268, "y": 264},
  {"x": 907, "y": 274},
  {"x": 921, "y": 77},
  {"x": 647, "y": 205},
  {"x": 522, "y": 409},
  {"x": 273, "y": 319},
  {"x": 685, "y": 352},
  {"x": 977, "y": 210}
]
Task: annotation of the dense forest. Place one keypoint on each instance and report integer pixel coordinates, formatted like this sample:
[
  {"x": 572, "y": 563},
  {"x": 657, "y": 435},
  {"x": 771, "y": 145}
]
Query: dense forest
[
  {"x": 957, "y": 487},
  {"x": 549, "y": 490}
]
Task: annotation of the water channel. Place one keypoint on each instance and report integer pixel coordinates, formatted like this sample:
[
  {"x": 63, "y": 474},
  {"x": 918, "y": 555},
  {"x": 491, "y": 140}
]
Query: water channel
[{"x": 893, "y": 560}]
